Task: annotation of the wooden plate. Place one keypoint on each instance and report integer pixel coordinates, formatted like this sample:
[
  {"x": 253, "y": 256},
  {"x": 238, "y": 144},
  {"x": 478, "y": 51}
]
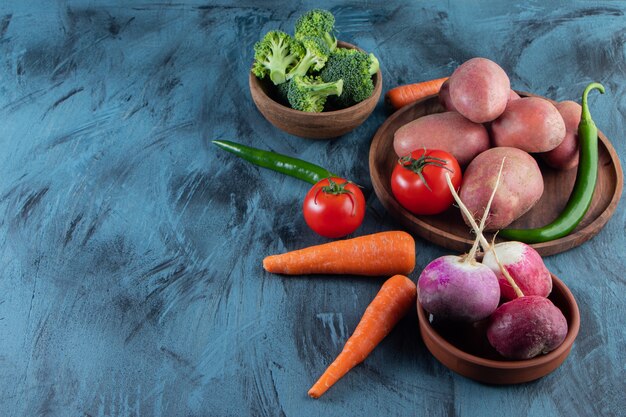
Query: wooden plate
[{"x": 448, "y": 229}]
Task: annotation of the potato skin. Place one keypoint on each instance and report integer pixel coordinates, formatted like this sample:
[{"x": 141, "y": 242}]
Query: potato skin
[
  {"x": 565, "y": 156},
  {"x": 479, "y": 90},
  {"x": 444, "y": 96},
  {"x": 513, "y": 95},
  {"x": 521, "y": 185},
  {"x": 531, "y": 124},
  {"x": 448, "y": 131}
]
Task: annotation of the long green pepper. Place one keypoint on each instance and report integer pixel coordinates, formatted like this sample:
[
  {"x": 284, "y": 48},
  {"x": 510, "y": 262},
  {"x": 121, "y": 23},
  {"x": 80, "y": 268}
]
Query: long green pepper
[
  {"x": 582, "y": 194},
  {"x": 284, "y": 164}
]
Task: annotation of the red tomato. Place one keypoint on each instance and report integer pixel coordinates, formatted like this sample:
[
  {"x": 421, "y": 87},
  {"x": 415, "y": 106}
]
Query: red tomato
[
  {"x": 412, "y": 177},
  {"x": 334, "y": 207}
]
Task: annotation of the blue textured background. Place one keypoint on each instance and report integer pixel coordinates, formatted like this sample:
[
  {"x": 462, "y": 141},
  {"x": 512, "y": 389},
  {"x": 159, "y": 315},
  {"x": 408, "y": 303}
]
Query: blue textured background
[{"x": 130, "y": 248}]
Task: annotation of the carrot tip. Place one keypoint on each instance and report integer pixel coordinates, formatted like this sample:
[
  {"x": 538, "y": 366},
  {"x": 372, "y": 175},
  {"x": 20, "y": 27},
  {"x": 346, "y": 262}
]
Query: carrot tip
[
  {"x": 268, "y": 264},
  {"x": 314, "y": 394}
]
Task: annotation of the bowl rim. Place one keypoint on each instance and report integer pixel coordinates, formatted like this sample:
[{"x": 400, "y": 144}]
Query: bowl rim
[
  {"x": 378, "y": 81},
  {"x": 572, "y": 333}
]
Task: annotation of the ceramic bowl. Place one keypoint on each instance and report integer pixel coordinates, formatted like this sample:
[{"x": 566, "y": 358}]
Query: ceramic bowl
[
  {"x": 464, "y": 348},
  {"x": 324, "y": 125}
]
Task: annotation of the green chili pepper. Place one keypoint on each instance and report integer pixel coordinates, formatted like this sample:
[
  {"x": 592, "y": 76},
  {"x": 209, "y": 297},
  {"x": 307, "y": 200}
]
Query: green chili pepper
[
  {"x": 582, "y": 194},
  {"x": 284, "y": 164}
]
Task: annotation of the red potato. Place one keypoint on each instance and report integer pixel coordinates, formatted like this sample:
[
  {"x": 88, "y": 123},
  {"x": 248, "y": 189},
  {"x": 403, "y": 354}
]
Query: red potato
[
  {"x": 531, "y": 124},
  {"x": 565, "y": 156},
  {"x": 479, "y": 90},
  {"x": 447, "y": 131},
  {"x": 520, "y": 188},
  {"x": 444, "y": 96}
]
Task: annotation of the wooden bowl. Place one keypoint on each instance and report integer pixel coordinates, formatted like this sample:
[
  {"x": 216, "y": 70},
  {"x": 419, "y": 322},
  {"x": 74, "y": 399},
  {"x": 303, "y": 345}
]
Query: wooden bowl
[
  {"x": 324, "y": 125},
  {"x": 464, "y": 348},
  {"x": 448, "y": 229}
]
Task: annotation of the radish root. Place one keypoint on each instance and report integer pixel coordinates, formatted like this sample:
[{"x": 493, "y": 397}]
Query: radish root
[
  {"x": 479, "y": 235},
  {"x": 484, "y": 243},
  {"x": 478, "y": 229}
]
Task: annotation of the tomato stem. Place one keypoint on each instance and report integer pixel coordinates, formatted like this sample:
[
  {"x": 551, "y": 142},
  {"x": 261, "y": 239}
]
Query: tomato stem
[
  {"x": 418, "y": 165},
  {"x": 334, "y": 188}
]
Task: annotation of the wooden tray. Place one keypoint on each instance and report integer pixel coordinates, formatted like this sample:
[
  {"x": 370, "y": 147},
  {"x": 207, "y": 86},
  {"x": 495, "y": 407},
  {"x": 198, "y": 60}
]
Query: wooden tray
[{"x": 448, "y": 229}]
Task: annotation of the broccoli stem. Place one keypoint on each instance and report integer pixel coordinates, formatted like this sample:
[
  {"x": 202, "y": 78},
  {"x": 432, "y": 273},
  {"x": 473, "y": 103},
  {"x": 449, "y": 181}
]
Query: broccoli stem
[
  {"x": 374, "y": 64},
  {"x": 302, "y": 67}
]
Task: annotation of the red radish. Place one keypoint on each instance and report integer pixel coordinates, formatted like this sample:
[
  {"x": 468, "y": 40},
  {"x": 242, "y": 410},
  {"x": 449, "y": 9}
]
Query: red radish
[
  {"x": 524, "y": 264},
  {"x": 457, "y": 287},
  {"x": 525, "y": 327}
]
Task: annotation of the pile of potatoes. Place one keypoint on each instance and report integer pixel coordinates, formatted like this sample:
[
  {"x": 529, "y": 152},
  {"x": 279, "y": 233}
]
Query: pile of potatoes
[{"x": 484, "y": 121}]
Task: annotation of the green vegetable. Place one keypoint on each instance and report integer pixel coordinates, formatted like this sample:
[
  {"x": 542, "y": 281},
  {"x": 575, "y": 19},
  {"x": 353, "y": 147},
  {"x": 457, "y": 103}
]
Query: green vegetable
[
  {"x": 313, "y": 54},
  {"x": 318, "y": 23},
  {"x": 355, "y": 68},
  {"x": 582, "y": 194},
  {"x": 309, "y": 93},
  {"x": 282, "y": 91},
  {"x": 275, "y": 55},
  {"x": 284, "y": 164}
]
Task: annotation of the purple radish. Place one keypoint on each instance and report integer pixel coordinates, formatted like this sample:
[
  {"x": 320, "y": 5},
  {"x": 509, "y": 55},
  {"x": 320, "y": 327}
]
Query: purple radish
[
  {"x": 457, "y": 287},
  {"x": 524, "y": 265},
  {"x": 526, "y": 327}
]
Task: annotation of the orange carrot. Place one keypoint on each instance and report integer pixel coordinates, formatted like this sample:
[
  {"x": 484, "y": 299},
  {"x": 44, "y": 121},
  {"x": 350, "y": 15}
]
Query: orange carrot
[
  {"x": 409, "y": 93},
  {"x": 397, "y": 295},
  {"x": 384, "y": 253}
]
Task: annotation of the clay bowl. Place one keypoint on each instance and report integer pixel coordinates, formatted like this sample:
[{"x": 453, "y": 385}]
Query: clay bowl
[
  {"x": 464, "y": 348},
  {"x": 324, "y": 125},
  {"x": 448, "y": 229}
]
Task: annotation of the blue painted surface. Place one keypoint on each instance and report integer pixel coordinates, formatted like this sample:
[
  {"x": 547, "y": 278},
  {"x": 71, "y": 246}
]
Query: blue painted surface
[{"x": 130, "y": 248}]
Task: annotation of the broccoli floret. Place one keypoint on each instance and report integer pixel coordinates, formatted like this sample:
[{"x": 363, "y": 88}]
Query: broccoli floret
[
  {"x": 275, "y": 55},
  {"x": 317, "y": 22},
  {"x": 355, "y": 68},
  {"x": 309, "y": 93},
  {"x": 282, "y": 90},
  {"x": 313, "y": 53}
]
